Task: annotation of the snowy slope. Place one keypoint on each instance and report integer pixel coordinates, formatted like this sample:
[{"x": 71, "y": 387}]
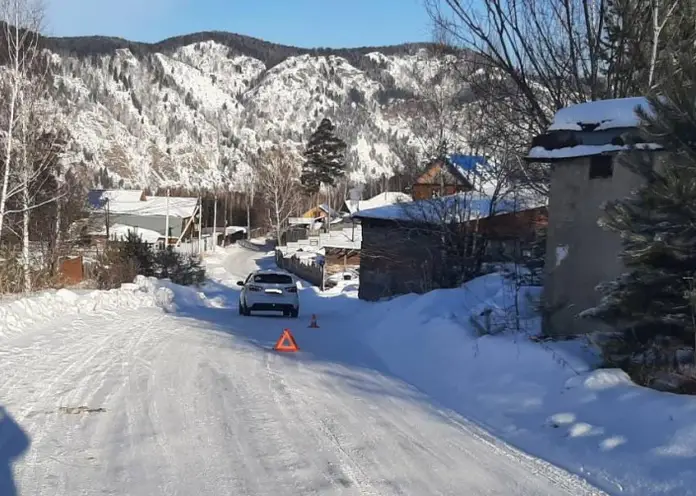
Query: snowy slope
[
  {"x": 189, "y": 115},
  {"x": 543, "y": 398},
  {"x": 193, "y": 401}
]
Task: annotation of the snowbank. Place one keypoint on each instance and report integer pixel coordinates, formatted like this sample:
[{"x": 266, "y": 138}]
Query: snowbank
[
  {"x": 18, "y": 315},
  {"x": 543, "y": 398}
]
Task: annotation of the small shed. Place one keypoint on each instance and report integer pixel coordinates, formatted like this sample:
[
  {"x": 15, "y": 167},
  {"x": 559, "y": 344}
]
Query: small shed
[
  {"x": 423, "y": 245},
  {"x": 580, "y": 146},
  {"x": 402, "y": 246}
]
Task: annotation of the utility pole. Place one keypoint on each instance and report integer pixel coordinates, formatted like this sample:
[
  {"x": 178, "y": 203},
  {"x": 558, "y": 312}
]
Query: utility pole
[
  {"x": 215, "y": 223},
  {"x": 200, "y": 223},
  {"x": 166, "y": 223},
  {"x": 107, "y": 220},
  {"x": 222, "y": 176}
]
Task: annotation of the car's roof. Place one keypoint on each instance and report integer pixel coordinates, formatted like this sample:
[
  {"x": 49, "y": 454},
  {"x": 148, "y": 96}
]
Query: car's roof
[{"x": 273, "y": 271}]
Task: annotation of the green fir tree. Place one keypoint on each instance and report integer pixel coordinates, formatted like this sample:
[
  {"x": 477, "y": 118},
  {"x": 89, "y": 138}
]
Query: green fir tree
[
  {"x": 324, "y": 158},
  {"x": 649, "y": 304}
]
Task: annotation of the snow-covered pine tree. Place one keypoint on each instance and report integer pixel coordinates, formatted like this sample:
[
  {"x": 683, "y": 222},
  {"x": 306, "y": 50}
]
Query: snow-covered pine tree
[
  {"x": 648, "y": 306},
  {"x": 325, "y": 161}
]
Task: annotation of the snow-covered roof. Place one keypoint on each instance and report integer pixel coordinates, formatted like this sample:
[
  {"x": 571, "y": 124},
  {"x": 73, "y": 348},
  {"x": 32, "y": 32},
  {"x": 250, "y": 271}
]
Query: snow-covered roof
[
  {"x": 157, "y": 205},
  {"x": 443, "y": 209},
  {"x": 129, "y": 202},
  {"x": 604, "y": 114},
  {"x": 225, "y": 230},
  {"x": 453, "y": 208},
  {"x": 466, "y": 164},
  {"x": 97, "y": 198},
  {"x": 235, "y": 229},
  {"x": 120, "y": 231},
  {"x": 592, "y": 128},
  {"x": 380, "y": 200},
  {"x": 328, "y": 210},
  {"x": 541, "y": 153},
  {"x": 346, "y": 239}
]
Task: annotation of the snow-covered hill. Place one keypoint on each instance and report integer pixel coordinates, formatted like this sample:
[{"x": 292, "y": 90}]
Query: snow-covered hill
[{"x": 189, "y": 112}]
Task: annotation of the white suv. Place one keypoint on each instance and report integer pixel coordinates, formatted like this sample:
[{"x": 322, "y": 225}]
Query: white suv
[{"x": 269, "y": 290}]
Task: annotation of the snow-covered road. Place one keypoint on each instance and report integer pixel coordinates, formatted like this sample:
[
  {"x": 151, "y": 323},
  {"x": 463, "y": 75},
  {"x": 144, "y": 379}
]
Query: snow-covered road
[{"x": 195, "y": 403}]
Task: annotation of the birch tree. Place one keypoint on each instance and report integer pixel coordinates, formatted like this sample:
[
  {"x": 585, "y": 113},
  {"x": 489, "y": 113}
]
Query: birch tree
[
  {"x": 279, "y": 185},
  {"x": 661, "y": 13},
  {"x": 641, "y": 36},
  {"x": 21, "y": 24},
  {"x": 40, "y": 142}
]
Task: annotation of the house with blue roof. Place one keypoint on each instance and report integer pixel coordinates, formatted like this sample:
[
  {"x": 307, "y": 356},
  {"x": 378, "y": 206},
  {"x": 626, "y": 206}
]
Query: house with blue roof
[{"x": 447, "y": 176}]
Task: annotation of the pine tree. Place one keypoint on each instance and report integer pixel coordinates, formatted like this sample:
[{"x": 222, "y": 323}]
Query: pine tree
[
  {"x": 626, "y": 46},
  {"x": 325, "y": 161},
  {"x": 649, "y": 304}
]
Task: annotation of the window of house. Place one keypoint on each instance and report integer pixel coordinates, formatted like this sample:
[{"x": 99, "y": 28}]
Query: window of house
[{"x": 601, "y": 166}]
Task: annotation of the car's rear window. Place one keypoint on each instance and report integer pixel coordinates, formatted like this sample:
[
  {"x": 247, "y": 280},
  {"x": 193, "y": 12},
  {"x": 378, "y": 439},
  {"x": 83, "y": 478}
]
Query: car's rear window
[{"x": 273, "y": 279}]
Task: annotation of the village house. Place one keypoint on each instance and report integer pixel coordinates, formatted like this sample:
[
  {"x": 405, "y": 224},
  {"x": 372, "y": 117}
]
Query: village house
[
  {"x": 511, "y": 235},
  {"x": 118, "y": 212},
  {"x": 404, "y": 245},
  {"x": 445, "y": 177},
  {"x": 400, "y": 251},
  {"x": 580, "y": 146},
  {"x": 320, "y": 212}
]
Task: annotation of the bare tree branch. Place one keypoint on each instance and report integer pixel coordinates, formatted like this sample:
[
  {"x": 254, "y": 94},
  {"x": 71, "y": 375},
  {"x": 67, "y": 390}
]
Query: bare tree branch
[{"x": 278, "y": 183}]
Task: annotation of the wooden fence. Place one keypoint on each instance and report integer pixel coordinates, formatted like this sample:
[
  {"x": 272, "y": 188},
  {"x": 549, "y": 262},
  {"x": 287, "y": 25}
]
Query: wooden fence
[{"x": 309, "y": 271}]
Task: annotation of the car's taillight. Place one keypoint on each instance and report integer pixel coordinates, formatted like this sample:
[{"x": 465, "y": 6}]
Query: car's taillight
[
  {"x": 254, "y": 288},
  {"x": 292, "y": 289}
]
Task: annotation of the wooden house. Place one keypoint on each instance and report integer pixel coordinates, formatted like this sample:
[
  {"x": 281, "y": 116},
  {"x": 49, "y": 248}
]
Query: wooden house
[
  {"x": 511, "y": 235},
  {"x": 442, "y": 177},
  {"x": 402, "y": 246},
  {"x": 414, "y": 247},
  {"x": 322, "y": 211}
]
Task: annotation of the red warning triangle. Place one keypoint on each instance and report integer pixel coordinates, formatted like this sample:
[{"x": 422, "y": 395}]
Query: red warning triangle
[{"x": 286, "y": 342}]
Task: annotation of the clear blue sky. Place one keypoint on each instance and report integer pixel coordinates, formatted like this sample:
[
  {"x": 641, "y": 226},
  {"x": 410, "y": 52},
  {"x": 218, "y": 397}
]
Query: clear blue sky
[{"x": 304, "y": 23}]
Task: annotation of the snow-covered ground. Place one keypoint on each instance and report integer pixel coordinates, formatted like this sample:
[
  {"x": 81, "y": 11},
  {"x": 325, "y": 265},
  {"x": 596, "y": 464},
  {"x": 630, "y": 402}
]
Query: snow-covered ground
[{"x": 153, "y": 390}]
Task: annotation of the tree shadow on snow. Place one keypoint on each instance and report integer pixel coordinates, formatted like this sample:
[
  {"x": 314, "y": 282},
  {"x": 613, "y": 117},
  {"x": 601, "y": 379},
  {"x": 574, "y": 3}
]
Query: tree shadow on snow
[{"x": 14, "y": 442}]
